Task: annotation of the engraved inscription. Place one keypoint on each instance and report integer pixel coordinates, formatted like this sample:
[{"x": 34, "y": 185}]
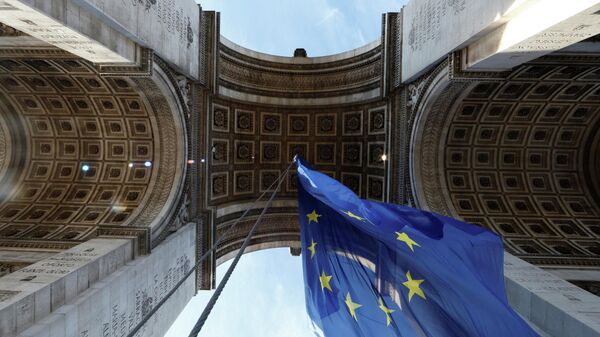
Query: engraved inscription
[
  {"x": 426, "y": 26},
  {"x": 172, "y": 16},
  {"x": 61, "y": 264},
  {"x": 122, "y": 319}
]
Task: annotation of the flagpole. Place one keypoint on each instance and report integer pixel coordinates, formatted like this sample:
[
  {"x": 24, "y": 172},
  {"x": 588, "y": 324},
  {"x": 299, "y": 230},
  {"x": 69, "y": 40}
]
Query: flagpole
[
  {"x": 156, "y": 307},
  {"x": 213, "y": 299}
]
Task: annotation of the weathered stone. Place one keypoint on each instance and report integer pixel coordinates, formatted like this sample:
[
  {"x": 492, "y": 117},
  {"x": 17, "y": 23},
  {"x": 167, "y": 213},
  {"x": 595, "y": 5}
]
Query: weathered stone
[
  {"x": 554, "y": 305},
  {"x": 52, "y": 282}
]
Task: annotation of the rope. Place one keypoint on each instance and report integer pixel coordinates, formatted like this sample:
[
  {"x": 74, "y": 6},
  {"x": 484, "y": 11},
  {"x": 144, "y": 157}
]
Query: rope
[
  {"x": 213, "y": 299},
  {"x": 214, "y": 247}
]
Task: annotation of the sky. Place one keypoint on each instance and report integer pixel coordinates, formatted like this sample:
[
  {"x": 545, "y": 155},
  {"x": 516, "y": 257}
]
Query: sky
[
  {"x": 265, "y": 295},
  {"x": 322, "y": 27}
]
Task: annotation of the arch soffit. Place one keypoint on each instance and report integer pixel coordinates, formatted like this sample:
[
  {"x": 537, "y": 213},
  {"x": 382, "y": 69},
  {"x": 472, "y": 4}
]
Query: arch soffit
[
  {"x": 550, "y": 214},
  {"x": 154, "y": 95}
]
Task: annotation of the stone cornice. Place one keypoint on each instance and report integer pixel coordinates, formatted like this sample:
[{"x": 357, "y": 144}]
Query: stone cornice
[{"x": 339, "y": 79}]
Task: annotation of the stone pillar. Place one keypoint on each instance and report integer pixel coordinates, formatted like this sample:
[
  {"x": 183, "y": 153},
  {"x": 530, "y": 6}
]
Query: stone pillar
[
  {"x": 32, "y": 293},
  {"x": 494, "y": 35},
  {"x": 116, "y": 304},
  {"x": 554, "y": 305},
  {"x": 112, "y": 32},
  {"x": 539, "y": 28}
]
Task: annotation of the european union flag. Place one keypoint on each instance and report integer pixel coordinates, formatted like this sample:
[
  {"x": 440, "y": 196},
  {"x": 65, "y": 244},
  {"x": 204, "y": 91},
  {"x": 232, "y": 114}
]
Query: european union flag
[{"x": 375, "y": 269}]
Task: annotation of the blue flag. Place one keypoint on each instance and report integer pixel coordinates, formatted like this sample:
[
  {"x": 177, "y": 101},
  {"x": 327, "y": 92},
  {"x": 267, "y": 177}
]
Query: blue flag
[{"x": 375, "y": 269}]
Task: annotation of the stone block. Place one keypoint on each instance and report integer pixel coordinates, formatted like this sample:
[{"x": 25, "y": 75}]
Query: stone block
[
  {"x": 83, "y": 306},
  {"x": 555, "y": 320},
  {"x": 519, "y": 298},
  {"x": 554, "y": 305},
  {"x": 57, "y": 294},
  {"x": 128, "y": 253},
  {"x": 114, "y": 304},
  {"x": 55, "y": 325},
  {"x": 102, "y": 267},
  {"x": 101, "y": 311},
  {"x": 70, "y": 317},
  {"x": 25, "y": 312},
  {"x": 52, "y": 282},
  {"x": 71, "y": 287},
  {"x": 57, "y": 8},
  {"x": 42, "y": 304},
  {"x": 37, "y": 330},
  {"x": 93, "y": 271},
  {"x": 82, "y": 279},
  {"x": 8, "y": 320}
]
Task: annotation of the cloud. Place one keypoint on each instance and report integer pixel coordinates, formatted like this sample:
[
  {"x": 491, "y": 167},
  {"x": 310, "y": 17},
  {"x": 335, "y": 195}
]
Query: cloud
[
  {"x": 329, "y": 15},
  {"x": 361, "y": 36}
]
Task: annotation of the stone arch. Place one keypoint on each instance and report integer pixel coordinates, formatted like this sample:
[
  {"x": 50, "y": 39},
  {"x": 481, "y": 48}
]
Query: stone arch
[
  {"x": 516, "y": 156},
  {"x": 274, "y": 231},
  {"x": 268, "y": 108},
  {"x": 265, "y": 109},
  {"x": 99, "y": 152}
]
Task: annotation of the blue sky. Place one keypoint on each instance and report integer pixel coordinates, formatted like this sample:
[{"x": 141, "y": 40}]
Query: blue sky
[
  {"x": 322, "y": 27},
  {"x": 265, "y": 295}
]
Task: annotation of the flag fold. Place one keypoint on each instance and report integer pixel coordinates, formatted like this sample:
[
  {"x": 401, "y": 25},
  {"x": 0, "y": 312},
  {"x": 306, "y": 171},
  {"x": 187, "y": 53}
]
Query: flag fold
[{"x": 376, "y": 269}]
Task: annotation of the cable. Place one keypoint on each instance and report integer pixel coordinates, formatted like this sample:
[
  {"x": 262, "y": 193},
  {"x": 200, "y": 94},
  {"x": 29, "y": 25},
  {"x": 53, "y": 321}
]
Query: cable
[
  {"x": 213, "y": 299},
  {"x": 215, "y": 245}
]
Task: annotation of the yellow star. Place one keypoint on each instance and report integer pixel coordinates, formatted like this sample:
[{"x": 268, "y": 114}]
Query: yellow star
[
  {"x": 387, "y": 311},
  {"x": 352, "y": 215},
  {"x": 352, "y": 306},
  {"x": 413, "y": 286},
  {"x": 324, "y": 279},
  {"x": 313, "y": 216},
  {"x": 312, "y": 248},
  {"x": 406, "y": 239}
]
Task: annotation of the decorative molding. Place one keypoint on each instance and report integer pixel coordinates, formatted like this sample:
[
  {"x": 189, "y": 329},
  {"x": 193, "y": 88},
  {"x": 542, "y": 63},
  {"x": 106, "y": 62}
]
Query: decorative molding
[
  {"x": 141, "y": 67},
  {"x": 552, "y": 261},
  {"x": 591, "y": 286},
  {"x": 430, "y": 166},
  {"x": 206, "y": 269},
  {"x": 393, "y": 46},
  {"x": 184, "y": 86},
  {"x": 173, "y": 176},
  {"x": 141, "y": 236},
  {"x": 273, "y": 228},
  {"x": 10, "y": 31},
  {"x": 5, "y": 143},
  {"x": 415, "y": 114},
  {"x": 35, "y": 53},
  {"x": 414, "y": 93},
  {"x": 456, "y": 64},
  {"x": 50, "y": 245},
  {"x": 254, "y": 75},
  {"x": 208, "y": 34}
]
